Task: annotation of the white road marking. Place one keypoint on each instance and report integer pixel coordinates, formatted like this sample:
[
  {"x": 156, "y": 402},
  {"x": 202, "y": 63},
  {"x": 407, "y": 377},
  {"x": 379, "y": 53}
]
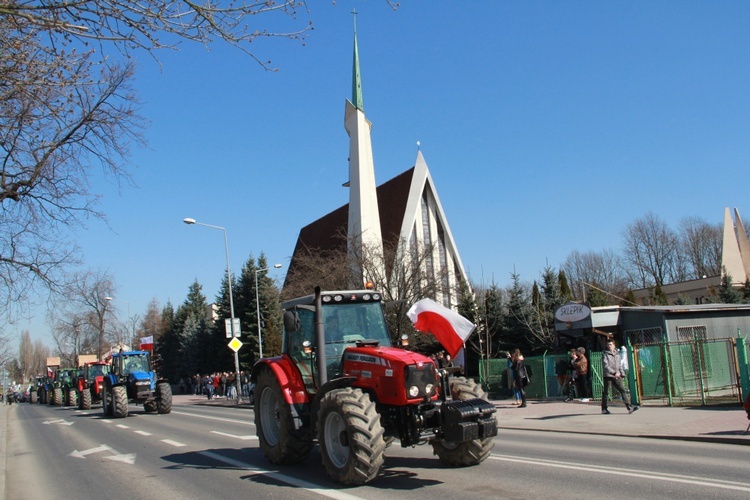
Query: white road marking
[
  {"x": 106, "y": 421},
  {"x": 242, "y": 422},
  {"x": 176, "y": 444},
  {"x": 290, "y": 480},
  {"x": 676, "y": 478},
  {"x": 143, "y": 433},
  {"x": 128, "y": 458},
  {"x": 58, "y": 421},
  {"x": 123, "y": 426},
  {"x": 243, "y": 438}
]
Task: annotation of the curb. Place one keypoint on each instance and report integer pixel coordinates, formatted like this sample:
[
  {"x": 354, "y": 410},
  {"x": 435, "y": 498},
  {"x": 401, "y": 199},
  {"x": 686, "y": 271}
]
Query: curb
[{"x": 4, "y": 450}]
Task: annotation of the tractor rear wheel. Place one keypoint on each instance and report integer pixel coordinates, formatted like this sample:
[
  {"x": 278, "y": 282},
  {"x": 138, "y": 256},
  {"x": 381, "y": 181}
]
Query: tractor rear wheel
[
  {"x": 163, "y": 398},
  {"x": 281, "y": 443},
  {"x": 84, "y": 400},
  {"x": 119, "y": 401},
  {"x": 107, "y": 401},
  {"x": 351, "y": 437},
  {"x": 71, "y": 398},
  {"x": 57, "y": 397},
  {"x": 470, "y": 452}
]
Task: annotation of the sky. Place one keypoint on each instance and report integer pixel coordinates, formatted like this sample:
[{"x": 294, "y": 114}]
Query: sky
[{"x": 547, "y": 126}]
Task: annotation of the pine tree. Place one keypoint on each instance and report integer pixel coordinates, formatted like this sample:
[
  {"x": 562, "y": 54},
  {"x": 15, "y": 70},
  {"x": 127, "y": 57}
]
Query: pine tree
[{"x": 726, "y": 292}]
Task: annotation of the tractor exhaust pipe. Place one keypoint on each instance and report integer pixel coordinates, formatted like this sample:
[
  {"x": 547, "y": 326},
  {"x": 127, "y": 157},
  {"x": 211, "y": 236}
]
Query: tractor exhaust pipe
[{"x": 320, "y": 339}]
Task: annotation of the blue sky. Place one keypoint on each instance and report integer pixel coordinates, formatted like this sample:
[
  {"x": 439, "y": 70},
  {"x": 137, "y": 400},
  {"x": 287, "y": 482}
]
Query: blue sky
[{"x": 548, "y": 126}]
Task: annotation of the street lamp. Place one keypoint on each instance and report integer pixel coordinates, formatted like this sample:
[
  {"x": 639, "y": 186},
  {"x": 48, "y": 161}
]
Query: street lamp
[
  {"x": 257, "y": 305},
  {"x": 130, "y": 334},
  {"x": 190, "y": 221}
]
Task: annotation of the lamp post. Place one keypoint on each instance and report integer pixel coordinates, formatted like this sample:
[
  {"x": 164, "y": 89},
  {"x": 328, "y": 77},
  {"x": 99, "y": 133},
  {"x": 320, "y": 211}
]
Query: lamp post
[
  {"x": 257, "y": 305},
  {"x": 231, "y": 301},
  {"x": 130, "y": 334}
]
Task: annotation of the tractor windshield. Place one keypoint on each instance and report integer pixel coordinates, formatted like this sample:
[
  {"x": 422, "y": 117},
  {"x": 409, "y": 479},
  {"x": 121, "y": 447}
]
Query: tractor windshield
[
  {"x": 133, "y": 364},
  {"x": 349, "y": 323}
]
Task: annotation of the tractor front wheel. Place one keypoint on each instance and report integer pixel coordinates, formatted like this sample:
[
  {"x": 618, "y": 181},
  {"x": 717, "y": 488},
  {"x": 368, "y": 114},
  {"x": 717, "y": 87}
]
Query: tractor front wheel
[
  {"x": 163, "y": 398},
  {"x": 120, "y": 401},
  {"x": 351, "y": 437},
  {"x": 470, "y": 452},
  {"x": 84, "y": 400},
  {"x": 281, "y": 443}
]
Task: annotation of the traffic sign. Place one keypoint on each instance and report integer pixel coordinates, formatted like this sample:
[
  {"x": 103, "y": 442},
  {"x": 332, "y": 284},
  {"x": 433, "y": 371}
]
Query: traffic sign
[
  {"x": 228, "y": 327},
  {"x": 235, "y": 344}
]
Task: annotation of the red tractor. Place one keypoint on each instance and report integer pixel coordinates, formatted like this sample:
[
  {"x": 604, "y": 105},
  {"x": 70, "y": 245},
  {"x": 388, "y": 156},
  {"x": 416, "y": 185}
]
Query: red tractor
[
  {"x": 91, "y": 383},
  {"x": 341, "y": 384}
]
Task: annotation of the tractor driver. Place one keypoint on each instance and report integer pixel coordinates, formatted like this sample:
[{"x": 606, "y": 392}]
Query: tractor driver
[{"x": 333, "y": 333}]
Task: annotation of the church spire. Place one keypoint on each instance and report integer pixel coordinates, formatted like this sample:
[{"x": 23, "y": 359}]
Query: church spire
[{"x": 356, "y": 80}]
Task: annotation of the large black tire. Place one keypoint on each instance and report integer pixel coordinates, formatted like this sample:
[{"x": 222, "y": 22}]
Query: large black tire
[
  {"x": 71, "y": 398},
  {"x": 84, "y": 399},
  {"x": 471, "y": 452},
  {"x": 149, "y": 406},
  {"x": 120, "y": 401},
  {"x": 350, "y": 436},
  {"x": 281, "y": 443},
  {"x": 107, "y": 406},
  {"x": 57, "y": 397},
  {"x": 163, "y": 398}
]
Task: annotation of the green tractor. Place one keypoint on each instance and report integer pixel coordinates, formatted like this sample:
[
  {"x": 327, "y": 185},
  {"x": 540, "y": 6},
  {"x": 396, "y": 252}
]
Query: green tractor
[{"x": 64, "y": 392}]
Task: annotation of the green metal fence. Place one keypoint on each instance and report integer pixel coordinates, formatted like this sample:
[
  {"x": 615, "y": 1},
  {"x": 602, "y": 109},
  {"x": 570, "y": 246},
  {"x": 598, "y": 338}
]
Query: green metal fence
[{"x": 700, "y": 372}]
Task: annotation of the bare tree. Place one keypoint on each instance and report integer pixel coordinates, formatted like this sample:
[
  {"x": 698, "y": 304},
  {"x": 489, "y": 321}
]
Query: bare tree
[
  {"x": 702, "y": 244},
  {"x": 652, "y": 253},
  {"x": 84, "y": 319},
  {"x": 155, "y": 24},
  {"x": 41, "y": 353},
  {"x": 601, "y": 269},
  {"x": 26, "y": 355},
  {"x": 60, "y": 117}
]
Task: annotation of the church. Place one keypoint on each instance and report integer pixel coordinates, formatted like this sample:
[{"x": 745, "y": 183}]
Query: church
[{"x": 391, "y": 222}]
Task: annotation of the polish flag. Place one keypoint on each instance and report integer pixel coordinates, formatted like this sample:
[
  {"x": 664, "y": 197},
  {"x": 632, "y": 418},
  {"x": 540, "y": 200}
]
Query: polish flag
[
  {"x": 449, "y": 328},
  {"x": 50, "y": 373},
  {"x": 147, "y": 343}
]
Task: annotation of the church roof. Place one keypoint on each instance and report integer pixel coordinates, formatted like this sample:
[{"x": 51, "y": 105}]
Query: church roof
[{"x": 328, "y": 234}]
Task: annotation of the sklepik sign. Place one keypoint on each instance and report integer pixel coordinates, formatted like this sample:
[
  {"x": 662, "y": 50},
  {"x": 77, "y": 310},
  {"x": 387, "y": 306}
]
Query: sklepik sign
[{"x": 572, "y": 312}]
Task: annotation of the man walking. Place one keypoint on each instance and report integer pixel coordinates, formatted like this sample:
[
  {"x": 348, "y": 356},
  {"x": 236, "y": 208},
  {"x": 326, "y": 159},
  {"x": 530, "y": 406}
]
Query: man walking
[{"x": 613, "y": 374}]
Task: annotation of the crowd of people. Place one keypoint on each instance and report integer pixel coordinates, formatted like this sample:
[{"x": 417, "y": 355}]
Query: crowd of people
[{"x": 216, "y": 385}]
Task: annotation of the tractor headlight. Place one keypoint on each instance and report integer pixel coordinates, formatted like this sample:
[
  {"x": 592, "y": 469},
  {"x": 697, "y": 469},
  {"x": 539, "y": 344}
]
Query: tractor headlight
[
  {"x": 428, "y": 389},
  {"x": 413, "y": 391}
]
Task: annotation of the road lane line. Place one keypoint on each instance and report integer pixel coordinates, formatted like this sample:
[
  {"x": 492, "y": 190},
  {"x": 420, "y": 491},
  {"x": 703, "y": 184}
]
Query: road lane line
[
  {"x": 675, "y": 478},
  {"x": 243, "y": 422},
  {"x": 292, "y": 481},
  {"x": 176, "y": 444},
  {"x": 244, "y": 438},
  {"x": 123, "y": 426},
  {"x": 143, "y": 433}
]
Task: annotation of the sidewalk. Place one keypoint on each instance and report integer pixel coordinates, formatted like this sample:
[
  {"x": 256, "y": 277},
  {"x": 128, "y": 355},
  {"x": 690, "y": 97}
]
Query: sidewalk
[{"x": 719, "y": 424}]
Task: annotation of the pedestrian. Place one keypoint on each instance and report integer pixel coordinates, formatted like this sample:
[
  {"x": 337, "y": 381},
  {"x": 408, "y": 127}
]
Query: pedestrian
[
  {"x": 581, "y": 365},
  {"x": 511, "y": 381},
  {"x": 231, "y": 386},
  {"x": 520, "y": 375},
  {"x": 573, "y": 355},
  {"x": 613, "y": 373},
  {"x": 245, "y": 382}
]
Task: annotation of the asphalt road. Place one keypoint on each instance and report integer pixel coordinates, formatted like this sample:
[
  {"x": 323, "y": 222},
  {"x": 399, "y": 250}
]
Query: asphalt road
[{"x": 212, "y": 452}]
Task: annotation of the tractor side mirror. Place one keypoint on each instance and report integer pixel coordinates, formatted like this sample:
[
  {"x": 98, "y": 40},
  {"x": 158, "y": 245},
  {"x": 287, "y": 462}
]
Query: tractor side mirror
[{"x": 291, "y": 321}]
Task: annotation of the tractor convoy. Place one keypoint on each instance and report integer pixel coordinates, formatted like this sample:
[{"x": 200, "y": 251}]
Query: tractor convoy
[
  {"x": 127, "y": 377},
  {"x": 340, "y": 383}
]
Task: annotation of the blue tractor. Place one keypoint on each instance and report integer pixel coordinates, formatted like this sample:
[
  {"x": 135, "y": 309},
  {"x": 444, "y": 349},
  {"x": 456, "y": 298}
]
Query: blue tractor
[{"x": 131, "y": 379}]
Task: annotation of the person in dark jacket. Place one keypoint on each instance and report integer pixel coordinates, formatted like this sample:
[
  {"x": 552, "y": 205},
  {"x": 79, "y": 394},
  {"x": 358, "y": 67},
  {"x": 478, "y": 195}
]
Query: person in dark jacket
[
  {"x": 520, "y": 375},
  {"x": 613, "y": 374}
]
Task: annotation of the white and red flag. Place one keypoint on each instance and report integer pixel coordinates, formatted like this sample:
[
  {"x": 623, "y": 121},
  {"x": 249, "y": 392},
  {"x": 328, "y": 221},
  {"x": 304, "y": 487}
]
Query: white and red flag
[
  {"x": 147, "y": 343},
  {"x": 449, "y": 328},
  {"x": 50, "y": 373}
]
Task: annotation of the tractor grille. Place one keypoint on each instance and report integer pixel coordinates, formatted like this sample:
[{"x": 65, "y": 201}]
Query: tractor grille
[{"x": 423, "y": 377}]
